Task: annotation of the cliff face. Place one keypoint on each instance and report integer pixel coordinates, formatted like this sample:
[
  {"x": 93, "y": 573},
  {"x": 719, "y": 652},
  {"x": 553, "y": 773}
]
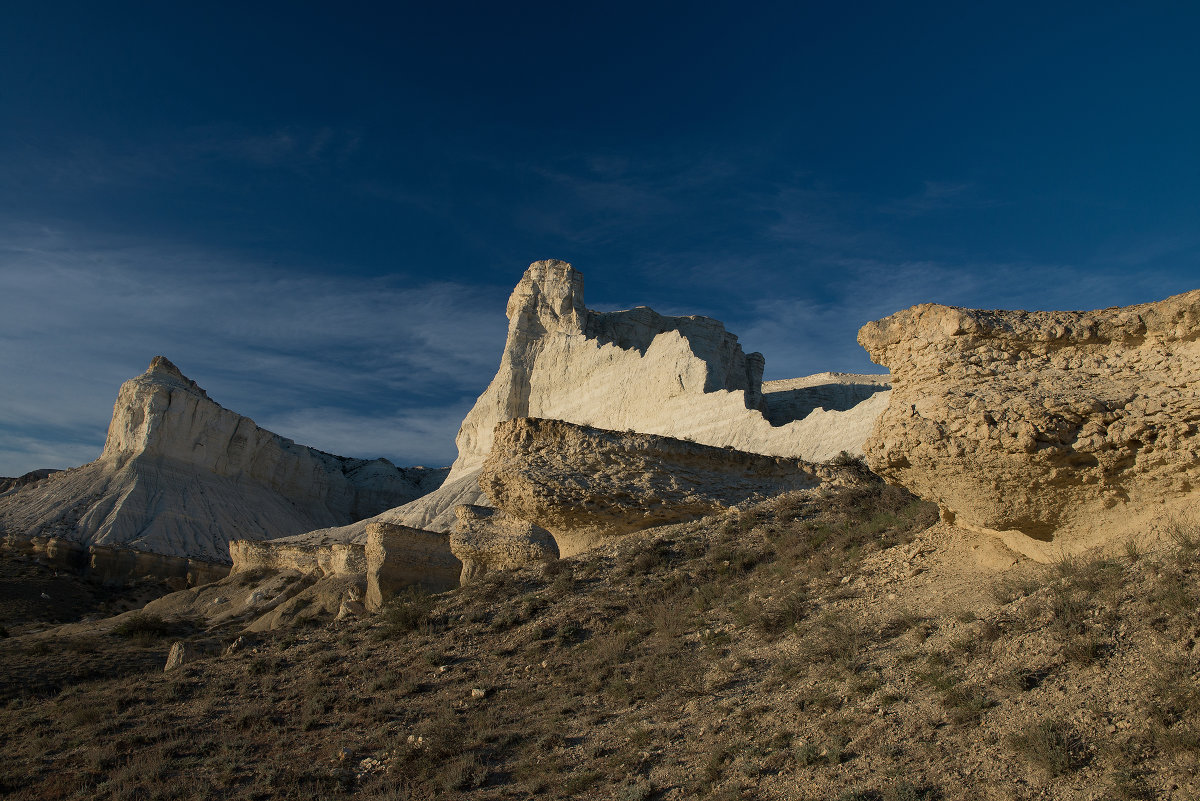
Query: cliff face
[
  {"x": 1062, "y": 429},
  {"x": 642, "y": 371},
  {"x": 585, "y": 485},
  {"x": 182, "y": 476}
]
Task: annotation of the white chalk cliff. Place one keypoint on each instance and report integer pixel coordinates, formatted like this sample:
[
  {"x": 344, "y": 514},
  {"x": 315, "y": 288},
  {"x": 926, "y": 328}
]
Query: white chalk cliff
[
  {"x": 637, "y": 370},
  {"x": 181, "y": 475}
]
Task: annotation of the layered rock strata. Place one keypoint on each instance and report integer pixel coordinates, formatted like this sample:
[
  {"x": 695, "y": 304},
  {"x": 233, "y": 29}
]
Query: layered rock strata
[
  {"x": 182, "y": 476},
  {"x": 118, "y": 565},
  {"x": 586, "y": 484},
  {"x": 642, "y": 371},
  {"x": 1059, "y": 430},
  {"x": 334, "y": 559},
  {"x": 400, "y": 556},
  {"x": 489, "y": 539}
]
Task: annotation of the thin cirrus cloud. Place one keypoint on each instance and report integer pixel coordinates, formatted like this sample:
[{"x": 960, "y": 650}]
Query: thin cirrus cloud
[{"x": 320, "y": 359}]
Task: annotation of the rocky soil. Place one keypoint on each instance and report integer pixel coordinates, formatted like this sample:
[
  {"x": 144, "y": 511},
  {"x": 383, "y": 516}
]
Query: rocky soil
[{"x": 844, "y": 646}]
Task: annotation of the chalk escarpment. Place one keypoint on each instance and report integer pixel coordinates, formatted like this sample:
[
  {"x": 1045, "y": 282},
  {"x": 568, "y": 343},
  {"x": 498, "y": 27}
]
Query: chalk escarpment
[
  {"x": 642, "y": 371},
  {"x": 1060, "y": 430},
  {"x": 181, "y": 475}
]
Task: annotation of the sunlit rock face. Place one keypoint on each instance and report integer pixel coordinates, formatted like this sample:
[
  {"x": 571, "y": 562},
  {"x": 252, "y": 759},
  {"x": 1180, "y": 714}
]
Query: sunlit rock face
[
  {"x": 638, "y": 370},
  {"x": 486, "y": 539},
  {"x": 1060, "y": 430},
  {"x": 181, "y": 475},
  {"x": 587, "y": 485}
]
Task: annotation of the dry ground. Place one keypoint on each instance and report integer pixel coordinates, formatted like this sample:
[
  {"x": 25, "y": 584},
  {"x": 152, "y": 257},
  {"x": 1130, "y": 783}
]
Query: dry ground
[{"x": 836, "y": 648}]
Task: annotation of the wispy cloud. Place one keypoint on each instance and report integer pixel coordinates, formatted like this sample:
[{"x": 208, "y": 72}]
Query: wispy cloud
[{"x": 317, "y": 357}]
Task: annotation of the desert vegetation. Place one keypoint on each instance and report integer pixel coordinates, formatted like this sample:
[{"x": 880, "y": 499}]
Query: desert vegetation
[{"x": 786, "y": 650}]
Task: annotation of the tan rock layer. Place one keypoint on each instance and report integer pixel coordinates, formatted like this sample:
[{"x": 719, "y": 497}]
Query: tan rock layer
[
  {"x": 1064, "y": 427},
  {"x": 490, "y": 539},
  {"x": 399, "y": 556},
  {"x": 336, "y": 559},
  {"x": 586, "y": 484}
]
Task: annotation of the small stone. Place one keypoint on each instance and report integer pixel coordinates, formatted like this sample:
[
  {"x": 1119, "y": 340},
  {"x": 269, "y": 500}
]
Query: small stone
[
  {"x": 478, "y": 693},
  {"x": 181, "y": 653}
]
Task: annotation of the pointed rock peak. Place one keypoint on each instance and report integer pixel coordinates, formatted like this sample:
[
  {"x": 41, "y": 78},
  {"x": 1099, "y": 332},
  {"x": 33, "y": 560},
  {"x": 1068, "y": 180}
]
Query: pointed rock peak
[
  {"x": 549, "y": 297},
  {"x": 163, "y": 370}
]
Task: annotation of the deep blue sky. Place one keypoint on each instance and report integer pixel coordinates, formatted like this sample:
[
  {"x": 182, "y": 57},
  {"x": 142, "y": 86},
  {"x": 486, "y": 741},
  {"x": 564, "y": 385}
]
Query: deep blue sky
[{"x": 318, "y": 210}]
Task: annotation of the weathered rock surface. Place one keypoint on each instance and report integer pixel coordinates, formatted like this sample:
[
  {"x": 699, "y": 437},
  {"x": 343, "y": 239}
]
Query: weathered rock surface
[
  {"x": 400, "y": 556},
  {"x": 32, "y": 477},
  {"x": 489, "y": 539},
  {"x": 586, "y": 484},
  {"x": 642, "y": 371},
  {"x": 182, "y": 476},
  {"x": 334, "y": 559},
  {"x": 1061, "y": 430}
]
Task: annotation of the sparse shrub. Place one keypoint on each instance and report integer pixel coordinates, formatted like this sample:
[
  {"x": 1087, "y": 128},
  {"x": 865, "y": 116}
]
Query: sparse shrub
[
  {"x": 1051, "y": 745},
  {"x": 784, "y": 614},
  {"x": 142, "y": 627},
  {"x": 407, "y": 610},
  {"x": 638, "y": 791}
]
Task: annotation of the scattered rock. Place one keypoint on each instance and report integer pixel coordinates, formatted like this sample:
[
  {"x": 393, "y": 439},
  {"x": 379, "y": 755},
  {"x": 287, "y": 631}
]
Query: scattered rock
[{"x": 181, "y": 653}]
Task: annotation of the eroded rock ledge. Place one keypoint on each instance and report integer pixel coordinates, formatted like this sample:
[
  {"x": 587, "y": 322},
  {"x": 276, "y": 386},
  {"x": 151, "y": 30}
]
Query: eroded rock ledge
[
  {"x": 586, "y": 484},
  {"x": 1062, "y": 429}
]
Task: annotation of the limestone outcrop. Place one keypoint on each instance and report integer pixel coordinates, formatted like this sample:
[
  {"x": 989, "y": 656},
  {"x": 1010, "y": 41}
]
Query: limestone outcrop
[
  {"x": 334, "y": 559},
  {"x": 638, "y": 370},
  {"x": 586, "y": 484},
  {"x": 400, "y": 556},
  {"x": 490, "y": 539},
  {"x": 181, "y": 475},
  {"x": 1059, "y": 430}
]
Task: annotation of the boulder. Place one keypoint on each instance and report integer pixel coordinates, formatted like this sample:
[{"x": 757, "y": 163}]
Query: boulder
[
  {"x": 400, "y": 556},
  {"x": 181, "y": 476},
  {"x": 490, "y": 539},
  {"x": 180, "y": 654},
  {"x": 1057, "y": 430},
  {"x": 586, "y": 484}
]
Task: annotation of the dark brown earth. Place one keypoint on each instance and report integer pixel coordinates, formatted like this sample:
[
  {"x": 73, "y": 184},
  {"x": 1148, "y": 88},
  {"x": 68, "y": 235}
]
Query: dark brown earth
[{"x": 841, "y": 648}]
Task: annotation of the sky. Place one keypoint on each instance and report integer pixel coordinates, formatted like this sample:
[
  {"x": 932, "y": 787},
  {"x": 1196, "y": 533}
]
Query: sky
[{"x": 317, "y": 210}]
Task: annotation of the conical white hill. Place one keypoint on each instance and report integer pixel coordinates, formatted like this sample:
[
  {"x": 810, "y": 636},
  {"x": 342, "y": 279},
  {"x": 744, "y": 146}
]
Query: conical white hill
[{"x": 181, "y": 475}]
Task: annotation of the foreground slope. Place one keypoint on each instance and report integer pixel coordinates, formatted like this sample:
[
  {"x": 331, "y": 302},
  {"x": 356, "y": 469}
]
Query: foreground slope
[
  {"x": 182, "y": 476},
  {"x": 803, "y": 649}
]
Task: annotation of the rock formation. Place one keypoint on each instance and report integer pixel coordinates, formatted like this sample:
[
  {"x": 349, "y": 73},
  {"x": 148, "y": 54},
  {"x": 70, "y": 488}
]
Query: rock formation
[
  {"x": 335, "y": 559},
  {"x": 642, "y": 371},
  {"x": 399, "y": 556},
  {"x": 1059, "y": 430},
  {"x": 489, "y": 539},
  {"x": 32, "y": 477},
  {"x": 587, "y": 484},
  {"x": 182, "y": 476}
]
